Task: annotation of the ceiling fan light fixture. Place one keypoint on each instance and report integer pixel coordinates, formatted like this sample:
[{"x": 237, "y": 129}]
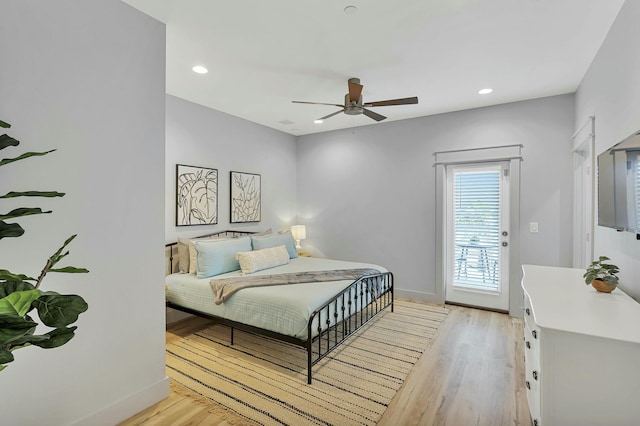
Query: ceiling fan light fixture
[
  {"x": 199, "y": 69},
  {"x": 350, "y": 10},
  {"x": 485, "y": 91}
]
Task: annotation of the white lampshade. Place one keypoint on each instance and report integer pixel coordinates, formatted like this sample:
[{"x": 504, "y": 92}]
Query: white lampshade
[{"x": 299, "y": 232}]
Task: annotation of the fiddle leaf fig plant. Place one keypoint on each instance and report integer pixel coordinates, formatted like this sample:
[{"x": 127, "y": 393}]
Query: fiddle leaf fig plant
[{"x": 22, "y": 303}]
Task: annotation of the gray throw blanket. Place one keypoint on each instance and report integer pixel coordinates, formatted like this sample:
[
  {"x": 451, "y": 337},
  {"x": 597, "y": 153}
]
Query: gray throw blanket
[{"x": 223, "y": 288}]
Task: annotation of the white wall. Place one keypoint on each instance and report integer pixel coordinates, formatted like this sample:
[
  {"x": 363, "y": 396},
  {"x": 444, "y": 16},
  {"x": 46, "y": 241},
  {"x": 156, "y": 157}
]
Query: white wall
[
  {"x": 201, "y": 136},
  {"x": 610, "y": 91},
  {"x": 87, "y": 78},
  {"x": 368, "y": 193}
]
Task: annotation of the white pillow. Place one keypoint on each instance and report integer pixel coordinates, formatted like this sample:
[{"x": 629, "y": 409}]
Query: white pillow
[{"x": 257, "y": 260}]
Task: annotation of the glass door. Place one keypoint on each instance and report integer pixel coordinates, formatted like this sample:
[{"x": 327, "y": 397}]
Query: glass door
[{"x": 477, "y": 235}]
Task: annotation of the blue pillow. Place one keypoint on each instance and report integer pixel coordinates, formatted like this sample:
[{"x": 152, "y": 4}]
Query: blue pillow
[
  {"x": 219, "y": 256},
  {"x": 275, "y": 240}
]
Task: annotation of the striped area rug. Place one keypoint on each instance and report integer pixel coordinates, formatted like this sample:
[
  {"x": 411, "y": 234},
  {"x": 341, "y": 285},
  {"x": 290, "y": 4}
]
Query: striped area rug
[{"x": 262, "y": 381}]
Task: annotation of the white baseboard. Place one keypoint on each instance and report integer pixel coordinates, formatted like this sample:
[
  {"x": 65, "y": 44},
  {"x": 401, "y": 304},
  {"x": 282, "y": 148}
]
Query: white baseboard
[
  {"x": 127, "y": 407},
  {"x": 417, "y": 296}
]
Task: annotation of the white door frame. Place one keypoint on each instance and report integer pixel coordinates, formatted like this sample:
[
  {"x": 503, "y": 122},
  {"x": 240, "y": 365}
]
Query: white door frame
[
  {"x": 582, "y": 146},
  {"x": 485, "y": 298},
  {"x": 511, "y": 153}
]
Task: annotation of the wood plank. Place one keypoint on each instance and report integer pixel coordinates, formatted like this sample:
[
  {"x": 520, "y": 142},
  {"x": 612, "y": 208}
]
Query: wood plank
[{"x": 473, "y": 373}]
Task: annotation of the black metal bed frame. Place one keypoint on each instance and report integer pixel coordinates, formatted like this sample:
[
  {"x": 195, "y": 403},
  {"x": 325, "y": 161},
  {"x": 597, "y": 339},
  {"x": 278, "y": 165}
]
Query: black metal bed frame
[{"x": 329, "y": 325}]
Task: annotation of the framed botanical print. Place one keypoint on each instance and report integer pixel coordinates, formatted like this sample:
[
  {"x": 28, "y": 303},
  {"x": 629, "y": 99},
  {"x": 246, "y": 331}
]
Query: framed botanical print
[
  {"x": 196, "y": 195},
  {"x": 245, "y": 197}
]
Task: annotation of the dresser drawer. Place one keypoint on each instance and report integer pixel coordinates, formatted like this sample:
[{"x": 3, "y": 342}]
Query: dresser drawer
[
  {"x": 531, "y": 343},
  {"x": 532, "y": 385},
  {"x": 528, "y": 313}
]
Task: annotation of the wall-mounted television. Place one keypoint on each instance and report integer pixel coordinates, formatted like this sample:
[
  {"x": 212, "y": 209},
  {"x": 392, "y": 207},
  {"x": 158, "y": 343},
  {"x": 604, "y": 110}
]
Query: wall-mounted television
[{"x": 619, "y": 185}]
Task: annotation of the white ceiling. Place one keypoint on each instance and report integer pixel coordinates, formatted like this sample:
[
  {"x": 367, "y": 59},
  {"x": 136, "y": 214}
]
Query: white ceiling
[{"x": 261, "y": 54}]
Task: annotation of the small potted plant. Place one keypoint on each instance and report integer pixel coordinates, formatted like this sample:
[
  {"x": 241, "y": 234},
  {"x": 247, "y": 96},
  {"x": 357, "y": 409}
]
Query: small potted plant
[{"x": 602, "y": 276}]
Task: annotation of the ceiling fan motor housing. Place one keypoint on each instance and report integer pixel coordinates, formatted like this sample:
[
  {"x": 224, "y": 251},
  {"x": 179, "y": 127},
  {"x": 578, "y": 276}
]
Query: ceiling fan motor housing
[{"x": 352, "y": 107}]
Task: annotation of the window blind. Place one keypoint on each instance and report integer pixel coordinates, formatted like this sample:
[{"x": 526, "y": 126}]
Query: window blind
[{"x": 477, "y": 229}]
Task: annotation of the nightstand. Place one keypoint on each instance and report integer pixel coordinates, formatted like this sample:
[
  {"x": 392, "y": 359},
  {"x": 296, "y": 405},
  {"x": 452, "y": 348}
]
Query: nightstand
[{"x": 303, "y": 254}]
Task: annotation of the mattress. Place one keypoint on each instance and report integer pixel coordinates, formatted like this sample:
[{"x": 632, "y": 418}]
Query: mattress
[{"x": 284, "y": 309}]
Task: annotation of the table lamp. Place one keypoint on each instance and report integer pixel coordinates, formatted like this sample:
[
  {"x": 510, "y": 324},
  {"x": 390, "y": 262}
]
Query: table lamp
[{"x": 299, "y": 232}]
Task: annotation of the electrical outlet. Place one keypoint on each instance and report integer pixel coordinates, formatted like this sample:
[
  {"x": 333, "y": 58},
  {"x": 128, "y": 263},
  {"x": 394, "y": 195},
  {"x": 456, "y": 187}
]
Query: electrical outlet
[{"x": 533, "y": 227}]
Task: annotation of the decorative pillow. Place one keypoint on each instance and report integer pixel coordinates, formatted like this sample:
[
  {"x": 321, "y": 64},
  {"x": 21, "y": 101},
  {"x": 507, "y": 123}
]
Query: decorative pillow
[
  {"x": 268, "y": 241},
  {"x": 187, "y": 254},
  {"x": 257, "y": 260},
  {"x": 218, "y": 257}
]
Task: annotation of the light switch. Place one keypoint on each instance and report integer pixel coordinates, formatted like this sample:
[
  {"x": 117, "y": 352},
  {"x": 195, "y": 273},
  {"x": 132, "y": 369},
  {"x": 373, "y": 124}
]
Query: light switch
[{"x": 533, "y": 227}]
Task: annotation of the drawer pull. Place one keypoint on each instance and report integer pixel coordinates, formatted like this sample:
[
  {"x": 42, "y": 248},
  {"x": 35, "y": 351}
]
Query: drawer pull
[
  {"x": 535, "y": 334},
  {"x": 528, "y": 311},
  {"x": 528, "y": 345},
  {"x": 528, "y": 385},
  {"x": 535, "y": 374}
]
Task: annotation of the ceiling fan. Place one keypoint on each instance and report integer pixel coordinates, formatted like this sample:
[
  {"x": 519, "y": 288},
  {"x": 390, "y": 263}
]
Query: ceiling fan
[{"x": 353, "y": 104}]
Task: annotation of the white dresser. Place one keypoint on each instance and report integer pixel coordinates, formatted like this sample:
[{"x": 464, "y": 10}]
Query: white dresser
[{"x": 582, "y": 351}]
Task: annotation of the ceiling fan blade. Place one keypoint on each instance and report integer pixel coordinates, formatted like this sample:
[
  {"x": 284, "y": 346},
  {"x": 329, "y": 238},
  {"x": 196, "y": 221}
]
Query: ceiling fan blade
[
  {"x": 331, "y": 115},
  {"x": 373, "y": 115},
  {"x": 316, "y": 103},
  {"x": 403, "y": 101},
  {"x": 355, "y": 90}
]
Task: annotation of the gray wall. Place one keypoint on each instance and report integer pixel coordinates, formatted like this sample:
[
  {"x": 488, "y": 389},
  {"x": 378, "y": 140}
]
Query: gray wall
[
  {"x": 610, "y": 91},
  {"x": 87, "y": 78},
  {"x": 368, "y": 193},
  {"x": 201, "y": 136}
]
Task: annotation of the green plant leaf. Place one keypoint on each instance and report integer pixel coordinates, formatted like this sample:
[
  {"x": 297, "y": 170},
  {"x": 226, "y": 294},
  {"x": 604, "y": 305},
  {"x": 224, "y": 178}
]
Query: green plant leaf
[
  {"x": 70, "y": 270},
  {"x": 55, "y": 257},
  {"x": 13, "y": 328},
  {"x": 57, "y": 337},
  {"x": 11, "y": 230},
  {"x": 24, "y": 156},
  {"x": 9, "y": 276},
  {"x": 23, "y": 211},
  {"x": 8, "y": 287},
  {"x": 18, "y": 303},
  {"x": 5, "y": 356},
  {"x": 6, "y": 140},
  {"x": 28, "y": 340},
  {"x": 57, "y": 310},
  {"x": 14, "y": 194},
  {"x": 4, "y": 124}
]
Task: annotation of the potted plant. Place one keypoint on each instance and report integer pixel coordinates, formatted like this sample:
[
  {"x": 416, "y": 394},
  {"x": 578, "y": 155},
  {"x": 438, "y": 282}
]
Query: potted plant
[
  {"x": 22, "y": 303},
  {"x": 602, "y": 276}
]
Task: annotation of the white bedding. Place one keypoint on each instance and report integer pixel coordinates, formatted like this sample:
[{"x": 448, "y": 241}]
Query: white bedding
[{"x": 282, "y": 308}]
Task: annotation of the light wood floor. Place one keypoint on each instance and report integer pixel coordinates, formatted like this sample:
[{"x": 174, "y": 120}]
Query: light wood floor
[{"x": 473, "y": 374}]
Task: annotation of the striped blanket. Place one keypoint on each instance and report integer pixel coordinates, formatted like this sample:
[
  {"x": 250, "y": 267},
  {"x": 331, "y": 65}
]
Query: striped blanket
[{"x": 223, "y": 288}]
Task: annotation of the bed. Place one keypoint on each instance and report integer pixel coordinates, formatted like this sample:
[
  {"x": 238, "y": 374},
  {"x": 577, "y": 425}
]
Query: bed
[{"x": 317, "y": 316}]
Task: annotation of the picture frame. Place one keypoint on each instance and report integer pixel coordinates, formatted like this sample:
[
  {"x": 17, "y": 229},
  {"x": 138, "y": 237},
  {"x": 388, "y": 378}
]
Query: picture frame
[
  {"x": 245, "y": 197},
  {"x": 196, "y": 195}
]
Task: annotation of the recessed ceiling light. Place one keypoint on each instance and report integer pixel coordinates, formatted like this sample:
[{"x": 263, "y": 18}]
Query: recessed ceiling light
[
  {"x": 200, "y": 69},
  {"x": 318, "y": 121},
  {"x": 350, "y": 10},
  {"x": 485, "y": 91}
]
